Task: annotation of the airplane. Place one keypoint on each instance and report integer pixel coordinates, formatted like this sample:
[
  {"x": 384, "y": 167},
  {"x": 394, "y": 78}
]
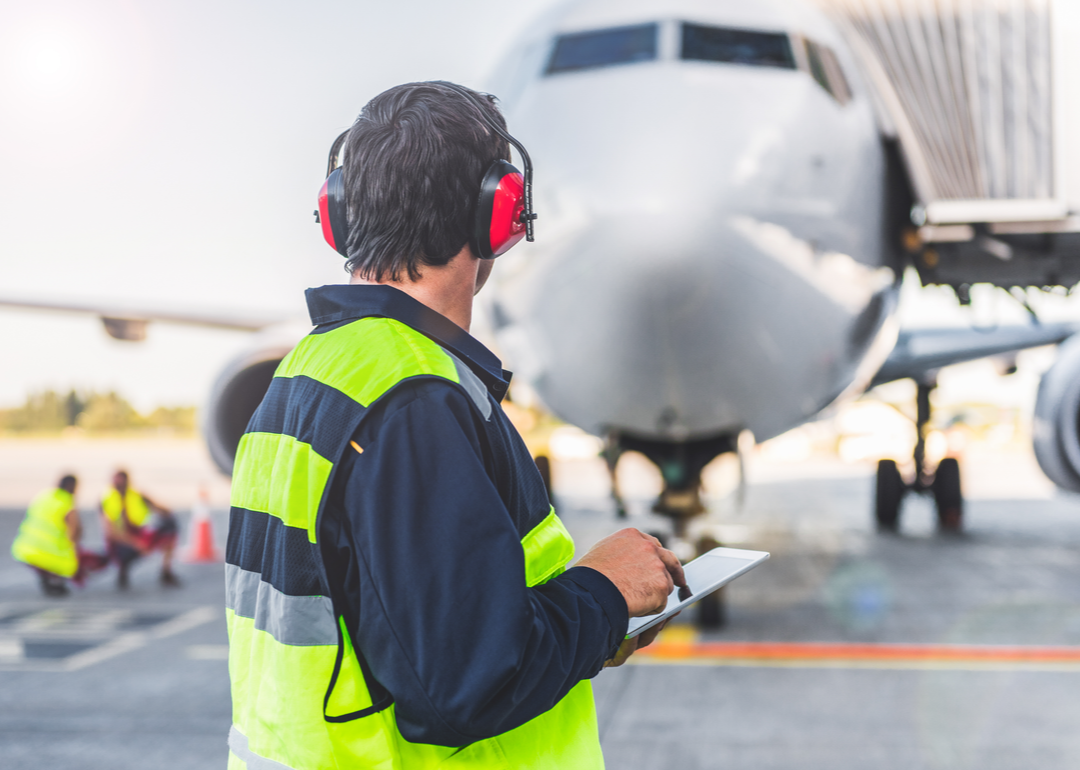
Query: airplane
[
  {"x": 727, "y": 199},
  {"x": 729, "y": 194}
]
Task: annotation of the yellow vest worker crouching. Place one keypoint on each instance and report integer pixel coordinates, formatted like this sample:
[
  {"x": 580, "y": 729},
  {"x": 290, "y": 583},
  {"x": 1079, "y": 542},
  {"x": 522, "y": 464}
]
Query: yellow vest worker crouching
[
  {"x": 48, "y": 539},
  {"x": 124, "y": 513}
]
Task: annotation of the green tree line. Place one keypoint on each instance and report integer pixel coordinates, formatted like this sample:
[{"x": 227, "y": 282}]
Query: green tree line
[{"x": 48, "y": 412}]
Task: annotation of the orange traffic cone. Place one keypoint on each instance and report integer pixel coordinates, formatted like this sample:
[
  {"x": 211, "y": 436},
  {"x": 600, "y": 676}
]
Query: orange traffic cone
[{"x": 201, "y": 548}]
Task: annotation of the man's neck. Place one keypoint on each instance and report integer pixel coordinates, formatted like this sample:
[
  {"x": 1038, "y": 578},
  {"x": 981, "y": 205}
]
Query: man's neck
[{"x": 448, "y": 290}]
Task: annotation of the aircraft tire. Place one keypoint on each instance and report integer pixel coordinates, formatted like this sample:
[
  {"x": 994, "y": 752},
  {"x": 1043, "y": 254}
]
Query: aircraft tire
[
  {"x": 888, "y": 496},
  {"x": 948, "y": 496},
  {"x": 543, "y": 464},
  {"x": 712, "y": 610}
]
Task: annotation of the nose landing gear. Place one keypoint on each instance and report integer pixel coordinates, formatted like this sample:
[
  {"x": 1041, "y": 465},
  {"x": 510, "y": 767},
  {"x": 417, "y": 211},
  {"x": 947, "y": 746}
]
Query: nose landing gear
[
  {"x": 680, "y": 464},
  {"x": 943, "y": 483}
]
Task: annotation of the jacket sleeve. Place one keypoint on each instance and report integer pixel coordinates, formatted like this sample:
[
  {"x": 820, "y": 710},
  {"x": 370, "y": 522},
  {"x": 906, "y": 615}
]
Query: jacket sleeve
[{"x": 436, "y": 579}]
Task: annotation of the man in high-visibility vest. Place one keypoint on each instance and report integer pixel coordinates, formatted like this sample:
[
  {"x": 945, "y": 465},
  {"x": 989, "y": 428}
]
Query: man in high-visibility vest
[
  {"x": 125, "y": 512},
  {"x": 397, "y": 583},
  {"x": 48, "y": 540}
]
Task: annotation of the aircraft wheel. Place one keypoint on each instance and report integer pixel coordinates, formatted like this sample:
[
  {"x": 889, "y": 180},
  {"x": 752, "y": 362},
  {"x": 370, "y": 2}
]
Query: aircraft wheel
[
  {"x": 543, "y": 464},
  {"x": 948, "y": 498},
  {"x": 712, "y": 610},
  {"x": 889, "y": 494}
]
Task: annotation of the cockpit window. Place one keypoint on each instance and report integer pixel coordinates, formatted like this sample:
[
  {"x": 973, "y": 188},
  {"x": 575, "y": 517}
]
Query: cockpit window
[
  {"x": 825, "y": 69},
  {"x": 603, "y": 48},
  {"x": 736, "y": 46}
]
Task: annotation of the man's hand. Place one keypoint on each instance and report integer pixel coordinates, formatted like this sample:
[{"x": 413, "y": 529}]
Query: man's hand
[
  {"x": 643, "y": 570},
  {"x": 630, "y": 646}
]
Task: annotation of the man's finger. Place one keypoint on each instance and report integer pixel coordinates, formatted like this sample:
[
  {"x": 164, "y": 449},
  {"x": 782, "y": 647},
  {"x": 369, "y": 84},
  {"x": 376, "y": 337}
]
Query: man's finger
[
  {"x": 647, "y": 637},
  {"x": 674, "y": 566},
  {"x": 669, "y": 584},
  {"x": 626, "y": 649},
  {"x": 660, "y": 607}
]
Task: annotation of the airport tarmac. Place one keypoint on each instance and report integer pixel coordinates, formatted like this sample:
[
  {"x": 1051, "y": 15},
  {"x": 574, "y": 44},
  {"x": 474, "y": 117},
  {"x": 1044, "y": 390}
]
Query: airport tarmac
[{"x": 847, "y": 649}]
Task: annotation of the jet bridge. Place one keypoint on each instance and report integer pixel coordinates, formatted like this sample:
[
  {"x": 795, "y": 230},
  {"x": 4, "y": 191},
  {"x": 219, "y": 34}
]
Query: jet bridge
[{"x": 981, "y": 99}]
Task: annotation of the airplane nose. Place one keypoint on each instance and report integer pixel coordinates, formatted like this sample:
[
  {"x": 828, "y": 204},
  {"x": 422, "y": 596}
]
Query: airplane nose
[
  {"x": 652, "y": 144},
  {"x": 671, "y": 270}
]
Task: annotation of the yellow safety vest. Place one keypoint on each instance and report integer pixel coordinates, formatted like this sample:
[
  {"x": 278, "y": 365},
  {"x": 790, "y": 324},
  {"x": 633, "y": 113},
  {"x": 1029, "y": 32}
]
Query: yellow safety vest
[
  {"x": 43, "y": 539},
  {"x": 300, "y": 698},
  {"x": 113, "y": 506}
]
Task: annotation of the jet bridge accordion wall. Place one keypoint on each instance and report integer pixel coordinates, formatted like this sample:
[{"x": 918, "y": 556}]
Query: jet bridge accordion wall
[{"x": 968, "y": 88}]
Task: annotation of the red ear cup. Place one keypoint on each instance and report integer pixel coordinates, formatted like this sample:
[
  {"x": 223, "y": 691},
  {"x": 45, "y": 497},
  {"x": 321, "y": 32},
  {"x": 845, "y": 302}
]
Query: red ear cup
[
  {"x": 332, "y": 212},
  {"x": 498, "y": 223}
]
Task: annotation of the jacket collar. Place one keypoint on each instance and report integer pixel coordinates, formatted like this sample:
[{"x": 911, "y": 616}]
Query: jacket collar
[{"x": 349, "y": 302}]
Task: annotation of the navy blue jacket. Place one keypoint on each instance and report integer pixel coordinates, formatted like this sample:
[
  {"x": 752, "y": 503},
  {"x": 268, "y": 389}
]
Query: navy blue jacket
[{"x": 421, "y": 539}]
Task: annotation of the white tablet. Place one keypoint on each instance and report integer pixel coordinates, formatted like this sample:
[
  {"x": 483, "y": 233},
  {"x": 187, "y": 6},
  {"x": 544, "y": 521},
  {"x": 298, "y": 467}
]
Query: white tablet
[{"x": 713, "y": 569}]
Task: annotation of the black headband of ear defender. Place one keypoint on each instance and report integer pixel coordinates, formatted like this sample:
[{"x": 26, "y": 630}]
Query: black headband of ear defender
[{"x": 527, "y": 215}]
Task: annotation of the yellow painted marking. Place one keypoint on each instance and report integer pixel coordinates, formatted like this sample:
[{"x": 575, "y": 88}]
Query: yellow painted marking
[
  {"x": 677, "y": 635},
  {"x": 678, "y": 646}
]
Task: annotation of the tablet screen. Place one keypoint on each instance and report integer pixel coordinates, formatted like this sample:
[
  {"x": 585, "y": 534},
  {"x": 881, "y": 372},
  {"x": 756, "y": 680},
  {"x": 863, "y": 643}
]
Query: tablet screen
[{"x": 704, "y": 575}]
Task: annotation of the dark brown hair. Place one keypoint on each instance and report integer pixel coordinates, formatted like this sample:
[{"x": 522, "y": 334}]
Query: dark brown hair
[{"x": 414, "y": 161}]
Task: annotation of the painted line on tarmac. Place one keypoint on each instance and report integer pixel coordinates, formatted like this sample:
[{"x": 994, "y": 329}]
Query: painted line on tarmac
[
  {"x": 12, "y": 656},
  {"x": 207, "y": 652},
  {"x": 135, "y": 639},
  {"x": 947, "y": 657}
]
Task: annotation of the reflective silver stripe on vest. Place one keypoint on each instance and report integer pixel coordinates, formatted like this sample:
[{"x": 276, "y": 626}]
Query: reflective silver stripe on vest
[
  {"x": 473, "y": 386},
  {"x": 238, "y": 745},
  {"x": 295, "y": 620}
]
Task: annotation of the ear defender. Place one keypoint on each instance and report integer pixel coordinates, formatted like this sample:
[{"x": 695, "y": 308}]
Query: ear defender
[
  {"x": 504, "y": 212},
  {"x": 499, "y": 223},
  {"x": 332, "y": 212}
]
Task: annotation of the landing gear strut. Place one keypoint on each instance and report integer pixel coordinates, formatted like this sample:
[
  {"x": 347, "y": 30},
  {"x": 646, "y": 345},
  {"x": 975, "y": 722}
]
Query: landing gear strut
[
  {"x": 943, "y": 483},
  {"x": 680, "y": 464}
]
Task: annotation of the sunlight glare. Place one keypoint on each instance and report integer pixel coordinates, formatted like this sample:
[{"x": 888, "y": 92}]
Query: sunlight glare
[
  {"x": 71, "y": 64},
  {"x": 53, "y": 61}
]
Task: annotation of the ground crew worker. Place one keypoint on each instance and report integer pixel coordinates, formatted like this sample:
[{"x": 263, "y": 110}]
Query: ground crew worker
[
  {"x": 125, "y": 512},
  {"x": 396, "y": 582},
  {"x": 48, "y": 540}
]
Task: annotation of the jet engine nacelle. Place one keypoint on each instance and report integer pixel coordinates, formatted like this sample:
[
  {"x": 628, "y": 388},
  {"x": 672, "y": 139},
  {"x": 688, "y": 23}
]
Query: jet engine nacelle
[
  {"x": 237, "y": 393},
  {"x": 1057, "y": 418}
]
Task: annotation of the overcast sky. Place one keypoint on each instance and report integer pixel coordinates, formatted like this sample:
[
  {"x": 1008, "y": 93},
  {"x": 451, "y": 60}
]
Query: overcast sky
[{"x": 169, "y": 154}]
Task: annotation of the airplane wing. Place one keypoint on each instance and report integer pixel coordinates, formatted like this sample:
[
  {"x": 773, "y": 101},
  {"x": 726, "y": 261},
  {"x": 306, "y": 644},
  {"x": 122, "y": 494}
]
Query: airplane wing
[
  {"x": 920, "y": 352},
  {"x": 129, "y": 323}
]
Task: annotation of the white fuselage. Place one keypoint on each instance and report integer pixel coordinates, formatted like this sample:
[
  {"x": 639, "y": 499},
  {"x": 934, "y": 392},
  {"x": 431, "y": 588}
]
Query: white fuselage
[{"x": 709, "y": 253}]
